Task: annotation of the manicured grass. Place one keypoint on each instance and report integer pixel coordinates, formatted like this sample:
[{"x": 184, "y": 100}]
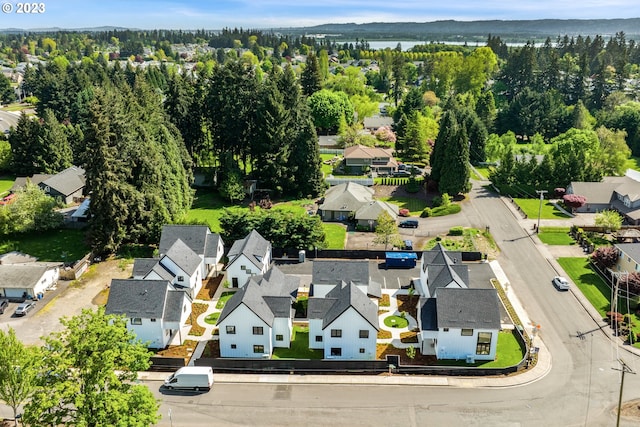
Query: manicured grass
[
  {"x": 207, "y": 208},
  {"x": 556, "y": 236},
  {"x": 57, "y": 245},
  {"x": 299, "y": 348},
  {"x": 223, "y": 299},
  {"x": 531, "y": 207},
  {"x": 508, "y": 353},
  {"x": 16, "y": 107},
  {"x": 414, "y": 205},
  {"x": 327, "y": 169},
  {"x": 396, "y": 322},
  {"x": 451, "y": 209},
  {"x": 5, "y": 184},
  {"x": 212, "y": 318},
  {"x": 335, "y": 235}
]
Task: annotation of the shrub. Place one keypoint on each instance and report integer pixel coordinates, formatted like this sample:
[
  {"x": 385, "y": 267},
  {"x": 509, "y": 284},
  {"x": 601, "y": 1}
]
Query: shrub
[
  {"x": 446, "y": 210},
  {"x": 574, "y": 201},
  {"x": 426, "y": 213},
  {"x": 456, "y": 231},
  {"x": 605, "y": 256}
]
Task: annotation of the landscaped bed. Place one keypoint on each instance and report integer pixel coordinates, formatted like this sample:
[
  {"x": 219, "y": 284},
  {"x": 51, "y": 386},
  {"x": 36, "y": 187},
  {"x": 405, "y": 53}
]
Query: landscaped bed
[
  {"x": 185, "y": 350},
  {"x": 396, "y": 322},
  {"x": 223, "y": 299}
]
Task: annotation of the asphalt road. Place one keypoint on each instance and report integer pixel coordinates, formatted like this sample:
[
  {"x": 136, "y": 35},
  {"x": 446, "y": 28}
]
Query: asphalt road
[
  {"x": 580, "y": 390},
  {"x": 8, "y": 119}
]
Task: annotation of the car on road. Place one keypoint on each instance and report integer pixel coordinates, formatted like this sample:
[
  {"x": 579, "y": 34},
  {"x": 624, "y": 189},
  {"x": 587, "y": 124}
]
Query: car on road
[
  {"x": 4, "y": 303},
  {"x": 402, "y": 173},
  {"x": 409, "y": 223},
  {"x": 24, "y": 308},
  {"x": 561, "y": 283}
]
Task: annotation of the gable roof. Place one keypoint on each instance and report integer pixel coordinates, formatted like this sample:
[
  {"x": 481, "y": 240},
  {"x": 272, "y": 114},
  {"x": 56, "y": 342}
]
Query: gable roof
[
  {"x": 253, "y": 246},
  {"x": 183, "y": 257},
  {"x": 632, "y": 250},
  {"x": 440, "y": 276},
  {"x": 428, "y": 314},
  {"x": 196, "y": 237},
  {"x": 602, "y": 192},
  {"x": 338, "y": 300},
  {"x": 21, "y": 181},
  {"x": 148, "y": 299},
  {"x": 372, "y": 210},
  {"x": 211, "y": 247},
  {"x": 143, "y": 266},
  {"x": 440, "y": 255},
  {"x": 363, "y": 152},
  {"x": 66, "y": 182},
  {"x": 330, "y": 272},
  {"x": 468, "y": 308},
  {"x": 347, "y": 197},
  {"x": 16, "y": 276}
]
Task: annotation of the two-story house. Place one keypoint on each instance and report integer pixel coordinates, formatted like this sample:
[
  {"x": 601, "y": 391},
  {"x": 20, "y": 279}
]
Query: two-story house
[
  {"x": 326, "y": 274},
  {"x": 199, "y": 238},
  {"x": 359, "y": 159},
  {"x": 248, "y": 257}
]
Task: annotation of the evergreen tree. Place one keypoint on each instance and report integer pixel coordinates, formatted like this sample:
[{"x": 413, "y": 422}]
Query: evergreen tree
[
  {"x": 25, "y": 148},
  {"x": 311, "y": 79},
  {"x": 305, "y": 165},
  {"x": 448, "y": 130},
  {"x": 56, "y": 149},
  {"x": 454, "y": 178}
]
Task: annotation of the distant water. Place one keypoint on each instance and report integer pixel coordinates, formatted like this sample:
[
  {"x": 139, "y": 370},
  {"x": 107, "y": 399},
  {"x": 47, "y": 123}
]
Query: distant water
[{"x": 408, "y": 44}]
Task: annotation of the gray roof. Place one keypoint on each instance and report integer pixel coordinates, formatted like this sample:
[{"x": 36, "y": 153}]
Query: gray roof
[
  {"x": 211, "y": 247},
  {"x": 338, "y": 300},
  {"x": 196, "y": 237},
  {"x": 372, "y": 210},
  {"x": 439, "y": 255},
  {"x": 148, "y": 299},
  {"x": 253, "y": 246},
  {"x": 183, "y": 257},
  {"x": 21, "y": 181},
  {"x": 599, "y": 192},
  {"x": 376, "y": 122},
  {"x": 440, "y": 276},
  {"x": 632, "y": 250},
  {"x": 143, "y": 266},
  {"x": 346, "y": 197},
  {"x": 18, "y": 276},
  {"x": 468, "y": 308},
  {"x": 330, "y": 272},
  {"x": 428, "y": 314},
  {"x": 66, "y": 182},
  {"x": 268, "y": 296},
  {"x": 15, "y": 257}
]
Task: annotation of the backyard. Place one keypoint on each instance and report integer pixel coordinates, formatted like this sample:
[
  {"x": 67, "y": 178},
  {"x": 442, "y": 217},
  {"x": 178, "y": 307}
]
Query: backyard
[
  {"x": 62, "y": 245},
  {"x": 555, "y": 236},
  {"x": 299, "y": 348}
]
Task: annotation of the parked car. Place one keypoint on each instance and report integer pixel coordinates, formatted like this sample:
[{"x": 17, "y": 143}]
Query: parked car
[
  {"x": 25, "y": 307},
  {"x": 191, "y": 378},
  {"x": 401, "y": 173},
  {"x": 561, "y": 283},
  {"x": 4, "y": 303},
  {"x": 409, "y": 223},
  {"x": 408, "y": 245}
]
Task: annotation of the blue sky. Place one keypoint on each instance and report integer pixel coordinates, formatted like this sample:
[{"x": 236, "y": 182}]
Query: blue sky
[{"x": 216, "y": 14}]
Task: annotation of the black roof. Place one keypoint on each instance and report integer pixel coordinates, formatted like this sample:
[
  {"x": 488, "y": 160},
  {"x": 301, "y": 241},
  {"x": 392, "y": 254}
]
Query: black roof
[
  {"x": 195, "y": 237},
  {"x": 149, "y": 299},
  {"x": 428, "y": 314},
  {"x": 468, "y": 308}
]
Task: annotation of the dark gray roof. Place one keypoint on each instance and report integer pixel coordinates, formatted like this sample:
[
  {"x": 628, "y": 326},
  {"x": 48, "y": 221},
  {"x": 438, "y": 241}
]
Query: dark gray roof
[
  {"x": 253, "y": 246},
  {"x": 21, "y": 181},
  {"x": 440, "y": 276},
  {"x": 194, "y": 236},
  {"x": 142, "y": 266},
  {"x": 439, "y": 255},
  {"x": 163, "y": 272},
  {"x": 183, "y": 257},
  {"x": 252, "y": 297},
  {"x": 428, "y": 314},
  {"x": 631, "y": 250},
  {"x": 211, "y": 247},
  {"x": 330, "y": 272},
  {"x": 275, "y": 282},
  {"x": 18, "y": 276},
  {"x": 468, "y": 308},
  {"x": 173, "y": 306},
  {"x": 66, "y": 182},
  {"x": 280, "y": 306},
  {"x": 339, "y": 299},
  {"x": 138, "y": 298}
]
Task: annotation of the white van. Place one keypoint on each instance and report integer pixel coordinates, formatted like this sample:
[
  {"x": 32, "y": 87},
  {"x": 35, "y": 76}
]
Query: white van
[{"x": 191, "y": 378}]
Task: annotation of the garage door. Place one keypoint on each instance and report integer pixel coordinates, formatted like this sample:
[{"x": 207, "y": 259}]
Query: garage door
[{"x": 14, "y": 292}]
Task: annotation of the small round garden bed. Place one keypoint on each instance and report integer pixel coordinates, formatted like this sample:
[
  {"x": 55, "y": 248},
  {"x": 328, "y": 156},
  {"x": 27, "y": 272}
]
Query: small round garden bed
[
  {"x": 212, "y": 318},
  {"x": 396, "y": 322}
]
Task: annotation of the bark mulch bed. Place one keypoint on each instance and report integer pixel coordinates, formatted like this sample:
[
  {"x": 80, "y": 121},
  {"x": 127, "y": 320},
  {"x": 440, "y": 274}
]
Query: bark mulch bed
[
  {"x": 209, "y": 288},
  {"x": 382, "y": 334},
  {"x": 212, "y": 349},
  {"x": 185, "y": 350},
  {"x": 409, "y": 304},
  {"x": 387, "y": 349}
]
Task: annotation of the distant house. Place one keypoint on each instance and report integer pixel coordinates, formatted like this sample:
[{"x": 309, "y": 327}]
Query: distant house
[
  {"x": 628, "y": 257},
  {"x": 376, "y": 122},
  {"x": 155, "y": 310},
  {"x": 359, "y": 159},
  {"x": 248, "y": 257},
  {"x": 29, "y": 280},
  {"x": 68, "y": 185},
  {"x": 343, "y": 323},
  {"x": 367, "y": 215},
  {"x": 343, "y": 199},
  {"x": 199, "y": 238},
  {"x": 259, "y": 316},
  {"x": 327, "y": 274}
]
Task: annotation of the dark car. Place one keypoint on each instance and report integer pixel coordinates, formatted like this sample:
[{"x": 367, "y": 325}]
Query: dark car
[
  {"x": 4, "y": 303},
  {"x": 25, "y": 307},
  {"x": 409, "y": 223},
  {"x": 402, "y": 173}
]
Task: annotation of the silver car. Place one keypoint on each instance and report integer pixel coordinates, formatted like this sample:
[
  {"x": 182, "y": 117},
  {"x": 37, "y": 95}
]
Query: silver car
[
  {"x": 561, "y": 283},
  {"x": 24, "y": 308}
]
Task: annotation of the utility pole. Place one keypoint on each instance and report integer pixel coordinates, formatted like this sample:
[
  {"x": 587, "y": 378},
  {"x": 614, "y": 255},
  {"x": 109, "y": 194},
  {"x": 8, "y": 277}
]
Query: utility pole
[
  {"x": 541, "y": 193},
  {"x": 625, "y": 369}
]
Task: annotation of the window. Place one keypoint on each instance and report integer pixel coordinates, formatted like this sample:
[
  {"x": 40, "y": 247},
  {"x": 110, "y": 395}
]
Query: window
[
  {"x": 318, "y": 338},
  {"x": 234, "y": 282},
  {"x": 336, "y": 351},
  {"x": 258, "y": 349},
  {"x": 136, "y": 321},
  {"x": 180, "y": 278},
  {"x": 364, "y": 333},
  {"x": 242, "y": 267},
  {"x": 153, "y": 320},
  {"x": 466, "y": 332},
  {"x": 279, "y": 337},
  {"x": 233, "y": 346},
  {"x": 484, "y": 343},
  {"x": 231, "y": 330},
  {"x": 362, "y": 351},
  {"x": 445, "y": 329},
  {"x": 336, "y": 333},
  {"x": 257, "y": 330}
]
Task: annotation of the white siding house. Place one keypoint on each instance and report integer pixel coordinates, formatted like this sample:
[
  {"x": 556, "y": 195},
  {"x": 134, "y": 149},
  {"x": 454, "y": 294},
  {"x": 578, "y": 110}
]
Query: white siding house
[
  {"x": 27, "y": 281},
  {"x": 244, "y": 334},
  {"x": 248, "y": 257},
  {"x": 199, "y": 238}
]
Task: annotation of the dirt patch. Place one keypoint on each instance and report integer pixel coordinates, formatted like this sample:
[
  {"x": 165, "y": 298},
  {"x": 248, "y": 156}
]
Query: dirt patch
[
  {"x": 631, "y": 410},
  {"x": 212, "y": 349},
  {"x": 101, "y": 298}
]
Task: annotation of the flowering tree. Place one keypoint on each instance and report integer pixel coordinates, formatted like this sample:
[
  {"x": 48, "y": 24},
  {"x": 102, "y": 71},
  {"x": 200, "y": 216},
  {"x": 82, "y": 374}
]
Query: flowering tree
[
  {"x": 574, "y": 201},
  {"x": 605, "y": 256},
  {"x": 385, "y": 134}
]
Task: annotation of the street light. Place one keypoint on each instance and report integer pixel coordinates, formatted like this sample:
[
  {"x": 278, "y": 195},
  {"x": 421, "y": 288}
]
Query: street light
[{"x": 541, "y": 193}]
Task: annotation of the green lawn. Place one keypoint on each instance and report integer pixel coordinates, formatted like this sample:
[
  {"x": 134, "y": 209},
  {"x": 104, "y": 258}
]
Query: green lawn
[
  {"x": 327, "y": 169},
  {"x": 299, "y": 348},
  {"x": 57, "y": 245},
  {"x": 508, "y": 353},
  {"x": 531, "y": 207},
  {"x": 396, "y": 322},
  {"x": 595, "y": 289},
  {"x": 16, "y": 107},
  {"x": 556, "y": 236},
  {"x": 5, "y": 184},
  {"x": 415, "y": 206},
  {"x": 212, "y": 318},
  {"x": 335, "y": 235},
  {"x": 223, "y": 299},
  {"x": 484, "y": 171},
  {"x": 207, "y": 208}
]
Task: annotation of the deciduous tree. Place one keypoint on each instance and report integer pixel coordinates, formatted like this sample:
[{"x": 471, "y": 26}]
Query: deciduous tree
[{"x": 386, "y": 230}]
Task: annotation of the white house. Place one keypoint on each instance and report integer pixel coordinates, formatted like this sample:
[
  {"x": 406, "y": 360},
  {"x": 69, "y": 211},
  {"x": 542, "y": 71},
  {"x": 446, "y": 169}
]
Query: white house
[
  {"x": 154, "y": 308},
  {"x": 326, "y": 274},
  {"x": 460, "y": 324},
  {"x": 259, "y": 316},
  {"x": 207, "y": 245},
  {"x": 344, "y": 323},
  {"x": 248, "y": 257},
  {"x": 29, "y": 280},
  {"x": 440, "y": 268}
]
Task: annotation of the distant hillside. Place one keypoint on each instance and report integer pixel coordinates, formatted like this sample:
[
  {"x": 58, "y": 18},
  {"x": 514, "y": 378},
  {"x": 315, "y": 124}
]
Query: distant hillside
[
  {"x": 473, "y": 30},
  {"x": 56, "y": 29}
]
